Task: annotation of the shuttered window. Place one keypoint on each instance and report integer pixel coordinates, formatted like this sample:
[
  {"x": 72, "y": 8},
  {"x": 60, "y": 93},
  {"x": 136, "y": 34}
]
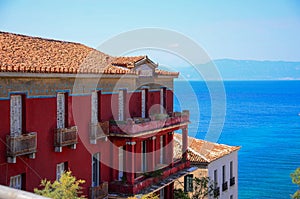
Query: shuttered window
[
  {"x": 60, "y": 110},
  {"x": 16, "y": 115},
  {"x": 161, "y": 100},
  {"x": 121, "y": 105},
  {"x": 94, "y": 101},
  {"x": 143, "y": 103}
]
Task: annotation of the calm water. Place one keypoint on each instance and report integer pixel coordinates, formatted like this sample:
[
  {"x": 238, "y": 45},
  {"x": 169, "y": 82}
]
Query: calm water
[{"x": 262, "y": 117}]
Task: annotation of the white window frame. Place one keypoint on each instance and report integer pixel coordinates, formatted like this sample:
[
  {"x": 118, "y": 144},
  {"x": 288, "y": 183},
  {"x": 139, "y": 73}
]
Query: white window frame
[
  {"x": 60, "y": 169},
  {"x": 61, "y": 110},
  {"x": 121, "y": 163},
  {"x": 16, "y": 181},
  {"x": 95, "y": 164},
  {"x": 94, "y": 107},
  {"x": 15, "y": 115}
]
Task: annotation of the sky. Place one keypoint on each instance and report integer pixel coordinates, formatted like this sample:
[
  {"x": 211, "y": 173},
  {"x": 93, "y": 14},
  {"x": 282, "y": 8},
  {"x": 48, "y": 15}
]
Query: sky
[{"x": 251, "y": 30}]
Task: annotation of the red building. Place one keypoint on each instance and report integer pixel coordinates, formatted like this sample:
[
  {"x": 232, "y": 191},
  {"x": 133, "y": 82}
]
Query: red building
[{"x": 109, "y": 120}]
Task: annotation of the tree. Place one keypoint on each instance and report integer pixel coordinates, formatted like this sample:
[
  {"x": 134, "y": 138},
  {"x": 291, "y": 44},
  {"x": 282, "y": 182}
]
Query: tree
[
  {"x": 296, "y": 180},
  {"x": 203, "y": 187},
  {"x": 66, "y": 188}
]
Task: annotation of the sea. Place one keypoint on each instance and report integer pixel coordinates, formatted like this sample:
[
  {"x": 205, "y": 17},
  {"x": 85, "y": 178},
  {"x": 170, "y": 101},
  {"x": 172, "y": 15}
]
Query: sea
[{"x": 263, "y": 117}]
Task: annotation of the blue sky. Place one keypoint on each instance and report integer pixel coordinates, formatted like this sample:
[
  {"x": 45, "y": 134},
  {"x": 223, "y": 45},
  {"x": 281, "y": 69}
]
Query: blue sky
[{"x": 259, "y": 30}]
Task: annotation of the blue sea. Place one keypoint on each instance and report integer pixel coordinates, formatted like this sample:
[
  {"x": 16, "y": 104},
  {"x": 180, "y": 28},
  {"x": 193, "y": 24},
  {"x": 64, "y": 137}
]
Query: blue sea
[{"x": 263, "y": 118}]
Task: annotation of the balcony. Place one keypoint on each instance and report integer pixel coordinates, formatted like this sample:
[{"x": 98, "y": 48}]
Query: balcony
[
  {"x": 136, "y": 126},
  {"x": 216, "y": 192},
  {"x": 24, "y": 144},
  {"x": 150, "y": 181},
  {"x": 99, "y": 192},
  {"x": 225, "y": 186},
  {"x": 232, "y": 181},
  {"x": 65, "y": 137},
  {"x": 98, "y": 131}
]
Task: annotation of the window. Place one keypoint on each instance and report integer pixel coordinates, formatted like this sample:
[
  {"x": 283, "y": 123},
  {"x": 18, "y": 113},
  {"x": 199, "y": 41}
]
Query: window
[
  {"x": 223, "y": 174},
  {"x": 16, "y": 182},
  {"x": 215, "y": 178},
  {"x": 60, "y": 169},
  {"x": 231, "y": 169},
  {"x": 144, "y": 156},
  {"x": 231, "y": 196},
  {"x": 94, "y": 107},
  {"x": 61, "y": 114},
  {"x": 161, "y": 157},
  {"x": 121, "y": 162},
  {"x": 15, "y": 115},
  {"x": 188, "y": 183},
  {"x": 95, "y": 169}
]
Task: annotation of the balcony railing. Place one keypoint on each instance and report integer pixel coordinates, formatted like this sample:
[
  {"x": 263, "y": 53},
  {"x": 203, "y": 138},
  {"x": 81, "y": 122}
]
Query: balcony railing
[
  {"x": 225, "y": 186},
  {"x": 232, "y": 181},
  {"x": 99, "y": 192},
  {"x": 138, "y": 125},
  {"x": 65, "y": 137},
  {"x": 24, "y": 144},
  {"x": 216, "y": 192},
  {"x": 98, "y": 131}
]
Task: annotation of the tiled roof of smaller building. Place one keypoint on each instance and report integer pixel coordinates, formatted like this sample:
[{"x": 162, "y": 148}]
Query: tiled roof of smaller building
[{"x": 201, "y": 151}]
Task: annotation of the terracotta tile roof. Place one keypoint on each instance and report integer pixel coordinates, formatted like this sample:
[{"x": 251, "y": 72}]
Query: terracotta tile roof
[
  {"x": 20, "y": 53},
  {"x": 200, "y": 151},
  {"x": 127, "y": 62},
  {"x": 165, "y": 73}
]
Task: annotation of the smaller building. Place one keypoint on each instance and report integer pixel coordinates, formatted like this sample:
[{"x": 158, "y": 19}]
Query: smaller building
[{"x": 219, "y": 162}]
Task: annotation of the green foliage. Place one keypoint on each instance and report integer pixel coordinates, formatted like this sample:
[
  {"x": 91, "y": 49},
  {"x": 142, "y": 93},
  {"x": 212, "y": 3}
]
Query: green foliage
[
  {"x": 180, "y": 194},
  {"x": 156, "y": 173},
  {"x": 296, "y": 180},
  {"x": 66, "y": 188},
  {"x": 203, "y": 187}
]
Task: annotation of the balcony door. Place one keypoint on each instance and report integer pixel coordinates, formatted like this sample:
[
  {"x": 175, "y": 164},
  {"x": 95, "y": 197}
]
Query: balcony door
[
  {"x": 16, "y": 115},
  {"x": 144, "y": 156},
  {"x": 95, "y": 169}
]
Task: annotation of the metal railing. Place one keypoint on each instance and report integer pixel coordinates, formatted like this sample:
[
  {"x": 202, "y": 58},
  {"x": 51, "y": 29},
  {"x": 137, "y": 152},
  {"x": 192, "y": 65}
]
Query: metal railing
[
  {"x": 99, "y": 192},
  {"x": 21, "y": 144},
  {"x": 224, "y": 186},
  {"x": 232, "y": 181},
  {"x": 66, "y": 136}
]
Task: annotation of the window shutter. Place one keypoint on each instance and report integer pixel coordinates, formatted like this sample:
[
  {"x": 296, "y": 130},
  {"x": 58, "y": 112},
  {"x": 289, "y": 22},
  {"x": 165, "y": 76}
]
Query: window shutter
[
  {"x": 60, "y": 168},
  {"x": 16, "y": 182},
  {"x": 161, "y": 100},
  {"x": 60, "y": 110},
  {"x": 143, "y": 103},
  {"x": 94, "y": 101},
  {"x": 121, "y": 105},
  {"x": 16, "y": 115}
]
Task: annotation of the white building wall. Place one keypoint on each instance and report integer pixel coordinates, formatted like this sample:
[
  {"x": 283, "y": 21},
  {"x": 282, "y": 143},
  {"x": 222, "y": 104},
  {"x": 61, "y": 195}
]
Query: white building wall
[{"x": 218, "y": 164}]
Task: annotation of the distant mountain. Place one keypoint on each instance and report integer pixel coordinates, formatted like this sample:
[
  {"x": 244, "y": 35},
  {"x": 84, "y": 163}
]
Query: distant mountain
[{"x": 244, "y": 70}]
